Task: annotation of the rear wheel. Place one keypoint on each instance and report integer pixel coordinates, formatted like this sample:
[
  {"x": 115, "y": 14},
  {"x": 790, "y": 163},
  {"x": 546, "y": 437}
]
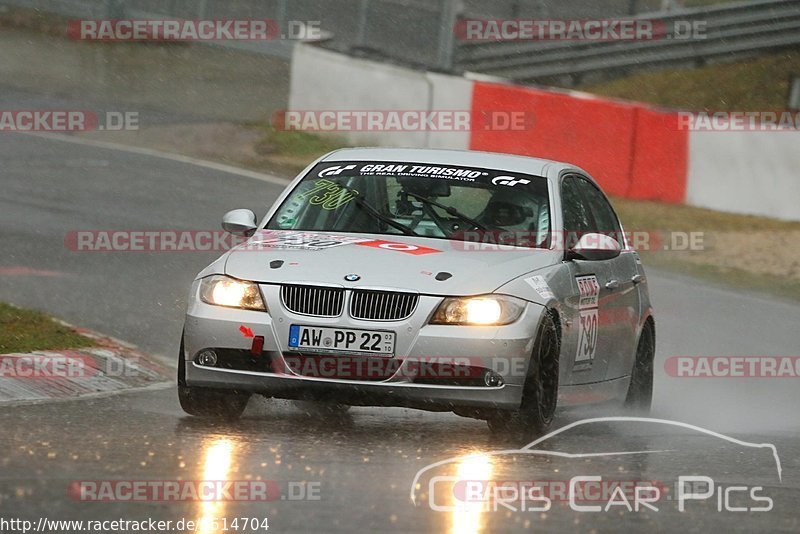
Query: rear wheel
[
  {"x": 540, "y": 391},
  {"x": 208, "y": 402},
  {"x": 640, "y": 391}
]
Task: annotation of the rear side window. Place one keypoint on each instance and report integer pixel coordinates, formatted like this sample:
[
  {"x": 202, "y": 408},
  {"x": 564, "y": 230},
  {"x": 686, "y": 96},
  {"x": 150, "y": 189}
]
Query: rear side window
[
  {"x": 605, "y": 220},
  {"x": 577, "y": 215}
]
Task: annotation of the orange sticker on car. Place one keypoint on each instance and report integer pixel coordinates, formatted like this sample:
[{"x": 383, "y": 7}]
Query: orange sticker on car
[{"x": 399, "y": 247}]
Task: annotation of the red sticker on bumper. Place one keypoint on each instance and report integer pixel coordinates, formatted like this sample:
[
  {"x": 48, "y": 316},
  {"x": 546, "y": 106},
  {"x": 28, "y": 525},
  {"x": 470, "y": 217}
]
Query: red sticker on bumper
[
  {"x": 246, "y": 332},
  {"x": 399, "y": 247}
]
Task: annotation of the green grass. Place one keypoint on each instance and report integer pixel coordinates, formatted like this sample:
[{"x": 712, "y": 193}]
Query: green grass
[
  {"x": 292, "y": 151},
  {"x": 704, "y": 3},
  {"x": 756, "y": 84},
  {"x": 293, "y": 143},
  {"x": 657, "y": 216},
  {"x": 637, "y": 215},
  {"x": 26, "y": 331},
  {"x": 730, "y": 277}
]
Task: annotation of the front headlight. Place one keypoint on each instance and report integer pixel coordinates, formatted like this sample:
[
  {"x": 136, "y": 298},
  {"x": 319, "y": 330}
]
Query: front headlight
[
  {"x": 225, "y": 291},
  {"x": 487, "y": 310}
]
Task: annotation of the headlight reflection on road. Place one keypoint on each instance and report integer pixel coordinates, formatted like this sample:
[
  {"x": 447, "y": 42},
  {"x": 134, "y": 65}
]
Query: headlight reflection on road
[
  {"x": 216, "y": 467},
  {"x": 468, "y": 516}
]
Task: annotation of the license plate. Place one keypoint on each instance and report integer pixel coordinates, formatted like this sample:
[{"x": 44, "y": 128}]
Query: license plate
[{"x": 322, "y": 339}]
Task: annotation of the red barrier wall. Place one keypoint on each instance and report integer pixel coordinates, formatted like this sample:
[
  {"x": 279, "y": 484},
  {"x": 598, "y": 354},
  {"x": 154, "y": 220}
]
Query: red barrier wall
[
  {"x": 631, "y": 150},
  {"x": 661, "y": 157}
]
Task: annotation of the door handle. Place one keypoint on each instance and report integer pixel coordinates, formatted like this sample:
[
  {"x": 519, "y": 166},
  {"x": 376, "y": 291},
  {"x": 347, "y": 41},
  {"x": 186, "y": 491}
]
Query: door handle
[
  {"x": 637, "y": 279},
  {"x": 612, "y": 284}
]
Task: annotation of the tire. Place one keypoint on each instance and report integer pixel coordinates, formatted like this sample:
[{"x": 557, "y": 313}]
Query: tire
[
  {"x": 217, "y": 403},
  {"x": 540, "y": 391},
  {"x": 640, "y": 391},
  {"x": 208, "y": 402}
]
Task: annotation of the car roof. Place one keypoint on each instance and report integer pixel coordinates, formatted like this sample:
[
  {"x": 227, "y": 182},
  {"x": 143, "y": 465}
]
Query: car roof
[{"x": 467, "y": 158}]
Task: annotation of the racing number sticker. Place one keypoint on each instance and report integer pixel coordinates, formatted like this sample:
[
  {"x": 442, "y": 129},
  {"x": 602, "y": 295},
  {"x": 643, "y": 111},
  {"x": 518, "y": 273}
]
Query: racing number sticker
[
  {"x": 304, "y": 241},
  {"x": 327, "y": 194},
  {"x": 589, "y": 317},
  {"x": 540, "y": 285}
]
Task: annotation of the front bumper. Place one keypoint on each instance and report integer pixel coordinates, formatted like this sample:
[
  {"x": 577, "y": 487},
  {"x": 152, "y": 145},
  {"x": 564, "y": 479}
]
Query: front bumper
[{"x": 505, "y": 350}]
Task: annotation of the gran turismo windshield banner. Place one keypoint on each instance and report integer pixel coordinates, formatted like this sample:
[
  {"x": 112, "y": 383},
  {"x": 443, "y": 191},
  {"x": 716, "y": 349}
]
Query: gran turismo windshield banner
[{"x": 456, "y": 173}]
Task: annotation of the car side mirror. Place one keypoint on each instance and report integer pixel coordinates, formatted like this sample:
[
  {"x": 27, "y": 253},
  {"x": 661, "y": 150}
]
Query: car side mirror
[
  {"x": 240, "y": 222},
  {"x": 594, "y": 247}
]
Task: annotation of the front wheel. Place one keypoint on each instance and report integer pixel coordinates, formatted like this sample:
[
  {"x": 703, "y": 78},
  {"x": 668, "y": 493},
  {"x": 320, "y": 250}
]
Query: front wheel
[
  {"x": 540, "y": 391},
  {"x": 640, "y": 391},
  {"x": 207, "y": 402}
]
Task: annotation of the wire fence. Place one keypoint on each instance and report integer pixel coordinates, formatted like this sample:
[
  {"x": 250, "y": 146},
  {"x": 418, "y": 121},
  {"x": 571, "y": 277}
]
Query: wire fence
[
  {"x": 421, "y": 33},
  {"x": 415, "y": 32}
]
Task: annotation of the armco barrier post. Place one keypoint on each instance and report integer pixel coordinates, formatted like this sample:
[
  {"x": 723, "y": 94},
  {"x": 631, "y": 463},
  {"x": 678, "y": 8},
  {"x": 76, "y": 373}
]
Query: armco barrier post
[
  {"x": 447, "y": 39},
  {"x": 363, "y": 18},
  {"x": 794, "y": 93}
]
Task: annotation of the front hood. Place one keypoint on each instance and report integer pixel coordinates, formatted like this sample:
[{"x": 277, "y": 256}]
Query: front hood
[{"x": 425, "y": 265}]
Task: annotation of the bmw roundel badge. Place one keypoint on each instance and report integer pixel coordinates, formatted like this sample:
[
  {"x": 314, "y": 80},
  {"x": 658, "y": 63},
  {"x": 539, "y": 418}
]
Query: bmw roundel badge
[{"x": 352, "y": 278}]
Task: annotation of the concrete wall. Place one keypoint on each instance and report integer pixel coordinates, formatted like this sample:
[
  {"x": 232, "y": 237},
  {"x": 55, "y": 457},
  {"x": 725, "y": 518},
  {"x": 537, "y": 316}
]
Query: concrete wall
[
  {"x": 746, "y": 172},
  {"x": 324, "y": 80},
  {"x": 755, "y": 173}
]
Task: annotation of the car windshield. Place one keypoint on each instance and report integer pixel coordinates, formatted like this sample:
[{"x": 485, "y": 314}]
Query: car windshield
[{"x": 440, "y": 202}]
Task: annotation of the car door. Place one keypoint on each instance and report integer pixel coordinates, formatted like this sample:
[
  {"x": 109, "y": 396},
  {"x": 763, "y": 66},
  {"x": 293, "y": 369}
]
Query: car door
[
  {"x": 599, "y": 332},
  {"x": 620, "y": 304},
  {"x": 586, "y": 339}
]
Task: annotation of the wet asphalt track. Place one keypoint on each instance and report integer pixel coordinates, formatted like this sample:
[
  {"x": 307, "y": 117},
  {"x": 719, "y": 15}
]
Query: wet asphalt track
[{"x": 364, "y": 462}]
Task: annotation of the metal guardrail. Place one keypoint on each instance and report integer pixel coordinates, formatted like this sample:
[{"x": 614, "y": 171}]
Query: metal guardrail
[
  {"x": 421, "y": 33},
  {"x": 732, "y": 30},
  {"x": 414, "y": 32}
]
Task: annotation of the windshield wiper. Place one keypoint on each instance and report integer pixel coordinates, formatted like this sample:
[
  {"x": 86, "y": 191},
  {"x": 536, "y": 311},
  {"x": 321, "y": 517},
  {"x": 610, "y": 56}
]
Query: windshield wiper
[
  {"x": 366, "y": 206},
  {"x": 454, "y": 212}
]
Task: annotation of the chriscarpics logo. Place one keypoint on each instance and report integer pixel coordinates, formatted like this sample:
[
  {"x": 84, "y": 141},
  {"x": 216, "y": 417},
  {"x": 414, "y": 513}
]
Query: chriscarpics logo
[{"x": 613, "y": 465}]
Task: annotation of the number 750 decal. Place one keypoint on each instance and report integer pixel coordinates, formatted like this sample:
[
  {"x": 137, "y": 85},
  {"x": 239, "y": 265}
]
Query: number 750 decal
[{"x": 589, "y": 318}]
